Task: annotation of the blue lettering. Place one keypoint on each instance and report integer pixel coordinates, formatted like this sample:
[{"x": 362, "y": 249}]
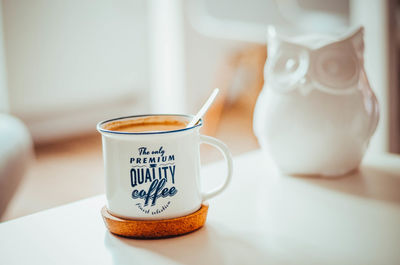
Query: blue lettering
[
  {"x": 155, "y": 191},
  {"x": 172, "y": 170},
  {"x": 133, "y": 177}
]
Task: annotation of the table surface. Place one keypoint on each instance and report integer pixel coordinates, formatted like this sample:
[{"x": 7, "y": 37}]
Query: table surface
[{"x": 263, "y": 217}]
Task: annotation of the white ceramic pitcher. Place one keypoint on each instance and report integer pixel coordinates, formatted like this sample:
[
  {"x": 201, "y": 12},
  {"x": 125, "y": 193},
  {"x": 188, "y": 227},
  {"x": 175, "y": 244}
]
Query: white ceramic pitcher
[{"x": 317, "y": 111}]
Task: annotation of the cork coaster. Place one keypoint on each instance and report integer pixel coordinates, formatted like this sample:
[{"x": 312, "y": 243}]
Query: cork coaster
[{"x": 147, "y": 229}]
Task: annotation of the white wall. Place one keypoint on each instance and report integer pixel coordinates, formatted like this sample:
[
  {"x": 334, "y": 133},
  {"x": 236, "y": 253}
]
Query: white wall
[
  {"x": 3, "y": 80},
  {"x": 373, "y": 15},
  {"x": 167, "y": 64},
  {"x": 75, "y": 61}
]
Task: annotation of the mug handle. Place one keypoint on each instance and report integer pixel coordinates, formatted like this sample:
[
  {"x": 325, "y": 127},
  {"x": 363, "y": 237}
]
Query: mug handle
[{"x": 228, "y": 158}]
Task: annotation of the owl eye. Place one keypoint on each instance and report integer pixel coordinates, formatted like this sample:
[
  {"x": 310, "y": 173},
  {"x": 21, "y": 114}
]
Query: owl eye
[
  {"x": 287, "y": 68},
  {"x": 336, "y": 70},
  {"x": 286, "y": 64}
]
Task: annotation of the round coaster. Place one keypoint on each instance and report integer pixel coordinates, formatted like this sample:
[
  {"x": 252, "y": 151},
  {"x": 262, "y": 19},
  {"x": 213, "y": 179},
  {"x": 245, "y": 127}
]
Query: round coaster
[{"x": 155, "y": 228}]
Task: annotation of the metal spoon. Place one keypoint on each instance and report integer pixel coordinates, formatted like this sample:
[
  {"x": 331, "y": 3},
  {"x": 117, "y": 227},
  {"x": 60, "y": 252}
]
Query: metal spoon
[{"x": 204, "y": 108}]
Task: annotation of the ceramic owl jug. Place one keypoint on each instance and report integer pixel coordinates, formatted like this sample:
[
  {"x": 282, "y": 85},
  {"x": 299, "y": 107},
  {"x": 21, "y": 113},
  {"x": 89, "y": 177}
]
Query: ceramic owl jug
[{"x": 316, "y": 112}]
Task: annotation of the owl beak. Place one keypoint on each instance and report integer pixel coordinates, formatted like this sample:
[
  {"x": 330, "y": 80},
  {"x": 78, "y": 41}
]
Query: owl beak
[{"x": 305, "y": 88}]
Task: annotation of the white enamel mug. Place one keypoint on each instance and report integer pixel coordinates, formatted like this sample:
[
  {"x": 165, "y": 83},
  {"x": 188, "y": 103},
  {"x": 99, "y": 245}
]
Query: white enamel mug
[{"x": 156, "y": 175}]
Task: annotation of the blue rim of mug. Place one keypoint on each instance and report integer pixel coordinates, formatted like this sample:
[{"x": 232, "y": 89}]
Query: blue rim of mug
[{"x": 101, "y": 130}]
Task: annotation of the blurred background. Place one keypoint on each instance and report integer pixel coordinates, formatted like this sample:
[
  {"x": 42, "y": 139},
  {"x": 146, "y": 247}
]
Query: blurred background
[{"x": 66, "y": 65}]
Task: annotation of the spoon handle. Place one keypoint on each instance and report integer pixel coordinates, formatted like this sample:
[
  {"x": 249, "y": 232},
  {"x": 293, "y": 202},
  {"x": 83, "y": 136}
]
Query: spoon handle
[{"x": 204, "y": 108}]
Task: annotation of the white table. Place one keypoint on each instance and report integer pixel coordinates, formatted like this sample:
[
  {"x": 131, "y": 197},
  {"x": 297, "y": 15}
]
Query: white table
[{"x": 262, "y": 218}]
